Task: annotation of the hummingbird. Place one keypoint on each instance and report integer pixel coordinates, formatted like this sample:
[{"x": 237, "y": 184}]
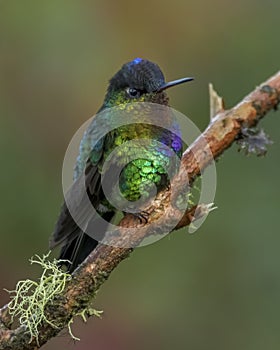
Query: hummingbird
[{"x": 138, "y": 81}]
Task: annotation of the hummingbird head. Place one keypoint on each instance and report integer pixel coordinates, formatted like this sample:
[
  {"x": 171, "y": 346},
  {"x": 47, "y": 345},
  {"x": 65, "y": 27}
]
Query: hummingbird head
[{"x": 139, "y": 81}]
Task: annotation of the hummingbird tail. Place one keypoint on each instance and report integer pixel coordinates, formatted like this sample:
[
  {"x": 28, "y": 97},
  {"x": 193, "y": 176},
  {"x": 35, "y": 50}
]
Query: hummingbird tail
[{"x": 76, "y": 250}]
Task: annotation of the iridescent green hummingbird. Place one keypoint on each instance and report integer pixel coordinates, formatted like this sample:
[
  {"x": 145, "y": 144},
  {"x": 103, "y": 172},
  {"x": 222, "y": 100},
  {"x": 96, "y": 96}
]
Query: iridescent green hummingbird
[{"x": 138, "y": 81}]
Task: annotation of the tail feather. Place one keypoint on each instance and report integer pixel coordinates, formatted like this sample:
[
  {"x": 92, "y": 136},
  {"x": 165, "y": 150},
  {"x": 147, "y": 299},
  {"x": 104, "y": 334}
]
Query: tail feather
[
  {"x": 76, "y": 244},
  {"x": 76, "y": 250}
]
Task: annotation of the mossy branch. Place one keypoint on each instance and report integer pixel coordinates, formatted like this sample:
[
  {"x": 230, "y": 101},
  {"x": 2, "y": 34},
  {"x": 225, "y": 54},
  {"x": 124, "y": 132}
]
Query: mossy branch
[
  {"x": 223, "y": 130},
  {"x": 29, "y": 299}
]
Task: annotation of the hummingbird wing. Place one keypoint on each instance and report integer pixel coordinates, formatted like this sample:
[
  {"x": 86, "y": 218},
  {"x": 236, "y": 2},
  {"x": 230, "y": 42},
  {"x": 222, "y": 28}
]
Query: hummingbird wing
[
  {"x": 76, "y": 244},
  {"x": 85, "y": 192}
]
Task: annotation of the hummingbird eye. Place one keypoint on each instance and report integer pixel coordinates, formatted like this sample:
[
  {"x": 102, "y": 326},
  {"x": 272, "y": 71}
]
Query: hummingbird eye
[{"x": 132, "y": 92}]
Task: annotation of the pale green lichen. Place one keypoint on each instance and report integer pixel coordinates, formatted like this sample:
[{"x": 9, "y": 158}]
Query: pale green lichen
[
  {"x": 87, "y": 312},
  {"x": 70, "y": 330},
  {"x": 29, "y": 299}
]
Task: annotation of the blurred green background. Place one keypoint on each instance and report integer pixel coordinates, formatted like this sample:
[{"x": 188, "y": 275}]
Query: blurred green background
[{"x": 217, "y": 289}]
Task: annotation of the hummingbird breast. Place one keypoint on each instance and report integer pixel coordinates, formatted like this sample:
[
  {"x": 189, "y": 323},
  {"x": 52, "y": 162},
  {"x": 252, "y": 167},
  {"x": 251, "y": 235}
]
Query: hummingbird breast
[{"x": 145, "y": 156}]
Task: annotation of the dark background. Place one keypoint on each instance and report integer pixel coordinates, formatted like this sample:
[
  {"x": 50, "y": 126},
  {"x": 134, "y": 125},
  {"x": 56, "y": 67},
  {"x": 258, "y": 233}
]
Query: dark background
[{"x": 217, "y": 289}]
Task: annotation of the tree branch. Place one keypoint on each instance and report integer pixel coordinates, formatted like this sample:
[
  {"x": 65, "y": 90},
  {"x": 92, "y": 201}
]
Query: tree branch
[{"x": 222, "y": 131}]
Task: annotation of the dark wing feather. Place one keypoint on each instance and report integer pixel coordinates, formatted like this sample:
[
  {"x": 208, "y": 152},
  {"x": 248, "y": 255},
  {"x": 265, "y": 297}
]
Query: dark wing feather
[
  {"x": 87, "y": 185},
  {"x": 77, "y": 198},
  {"x": 76, "y": 244}
]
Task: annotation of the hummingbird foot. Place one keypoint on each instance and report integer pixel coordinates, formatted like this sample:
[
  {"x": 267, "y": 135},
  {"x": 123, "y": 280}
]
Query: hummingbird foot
[{"x": 143, "y": 217}]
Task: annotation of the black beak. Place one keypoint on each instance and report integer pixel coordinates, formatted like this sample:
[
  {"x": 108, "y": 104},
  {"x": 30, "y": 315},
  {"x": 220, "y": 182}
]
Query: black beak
[{"x": 173, "y": 83}]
